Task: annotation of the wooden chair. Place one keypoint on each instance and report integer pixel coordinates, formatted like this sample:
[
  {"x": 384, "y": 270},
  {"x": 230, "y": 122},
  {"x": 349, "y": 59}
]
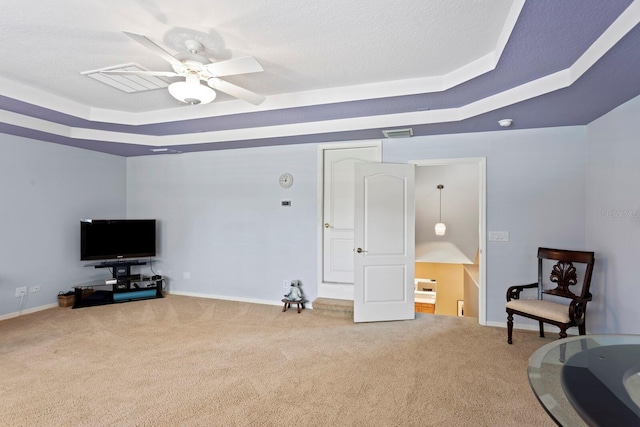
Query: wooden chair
[{"x": 563, "y": 307}]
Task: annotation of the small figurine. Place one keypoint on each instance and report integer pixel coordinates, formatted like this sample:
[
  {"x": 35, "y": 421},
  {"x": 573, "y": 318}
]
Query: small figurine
[{"x": 295, "y": 294}]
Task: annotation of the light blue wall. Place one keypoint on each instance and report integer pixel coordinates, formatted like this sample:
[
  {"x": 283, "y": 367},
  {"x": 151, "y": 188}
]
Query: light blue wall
[
  {"x": 535, "y": 191},
  {"x": 613, "y": 219},
  {"x": 221, "y": 222},
  {"x": 223, "y": 232},
  {"x": 46, "y": 189}
]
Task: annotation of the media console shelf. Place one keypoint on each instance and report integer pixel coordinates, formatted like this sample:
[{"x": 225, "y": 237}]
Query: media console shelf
[{"x": 123, "y": 287}]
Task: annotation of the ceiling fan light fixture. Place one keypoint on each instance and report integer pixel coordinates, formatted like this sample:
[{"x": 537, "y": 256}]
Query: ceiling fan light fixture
[
  {"x": 195, "y": 67},
  {"x": 192, "y": 92}
]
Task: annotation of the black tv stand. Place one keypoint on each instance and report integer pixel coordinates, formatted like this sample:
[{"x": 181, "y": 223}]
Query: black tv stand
[
  {"x": 123, "y": 287},
  {"x": 121, "y": 268}
]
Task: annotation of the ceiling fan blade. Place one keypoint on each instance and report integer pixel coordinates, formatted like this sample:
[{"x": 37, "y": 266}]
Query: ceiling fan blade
[
  {"x": 141, "y": 73},
  {"x": 244, "y": 65},
  {"x": 154, "y": 47},
  {"x": 236, "y": 91}
]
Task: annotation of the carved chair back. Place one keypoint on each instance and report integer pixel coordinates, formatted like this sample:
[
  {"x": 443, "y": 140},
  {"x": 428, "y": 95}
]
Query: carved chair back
[{"x": 564, "y": 274}]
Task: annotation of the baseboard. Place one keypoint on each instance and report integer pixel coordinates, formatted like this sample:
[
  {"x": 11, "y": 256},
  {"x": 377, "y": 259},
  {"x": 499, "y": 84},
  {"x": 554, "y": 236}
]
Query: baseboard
[
  {"x": 187, "y": 294},
  {"x": 548, "y": 329},
  {"x": 27, "y": 311},
  {"x": 227, "y": 298}
]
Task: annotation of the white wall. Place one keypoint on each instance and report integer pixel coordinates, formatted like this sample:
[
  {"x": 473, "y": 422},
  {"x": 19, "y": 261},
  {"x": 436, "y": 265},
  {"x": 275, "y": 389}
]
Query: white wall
[
  {"x": 223, "y": 232},
  {"x": 459, "y": 206},
  {"x": 613, "y": 219},
  {"x": 46, "y": 189}
]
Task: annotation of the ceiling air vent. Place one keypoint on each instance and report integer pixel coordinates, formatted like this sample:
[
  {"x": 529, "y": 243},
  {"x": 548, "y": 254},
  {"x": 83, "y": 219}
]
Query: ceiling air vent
[
  {"x": 165, "y": 151},
  {"x": 129, "y": 84},
  {"x": 398, "y": 133}
]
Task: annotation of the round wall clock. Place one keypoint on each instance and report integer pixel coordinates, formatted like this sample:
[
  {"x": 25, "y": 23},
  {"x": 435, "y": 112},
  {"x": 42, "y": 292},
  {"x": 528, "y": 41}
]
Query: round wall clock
[{"x": 286, "y": 180}]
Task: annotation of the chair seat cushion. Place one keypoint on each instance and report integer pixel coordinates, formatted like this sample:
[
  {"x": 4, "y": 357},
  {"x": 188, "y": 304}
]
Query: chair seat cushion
[{"x": 541, "y": 308}]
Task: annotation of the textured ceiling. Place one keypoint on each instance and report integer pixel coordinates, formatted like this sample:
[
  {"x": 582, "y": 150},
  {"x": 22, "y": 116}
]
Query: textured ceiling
[{"x": 334, "y": 70}]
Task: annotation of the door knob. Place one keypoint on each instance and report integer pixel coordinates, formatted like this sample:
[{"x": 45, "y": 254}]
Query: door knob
[
  {"x": 327, "y": 225},
  {"x": 360, "y": 250}
]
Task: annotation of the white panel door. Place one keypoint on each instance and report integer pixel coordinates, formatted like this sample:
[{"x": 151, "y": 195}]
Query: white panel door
[
  {"x": 338, "y": 210},
  {"x": 384, "y": 242}
]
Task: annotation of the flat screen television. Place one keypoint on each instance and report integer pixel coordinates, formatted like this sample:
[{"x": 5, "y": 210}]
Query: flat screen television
[{"x": 112, "y": 239}]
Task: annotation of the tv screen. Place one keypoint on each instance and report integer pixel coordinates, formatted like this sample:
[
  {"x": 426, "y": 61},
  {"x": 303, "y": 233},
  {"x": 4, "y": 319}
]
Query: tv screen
[{"x": 107, "y": 239}]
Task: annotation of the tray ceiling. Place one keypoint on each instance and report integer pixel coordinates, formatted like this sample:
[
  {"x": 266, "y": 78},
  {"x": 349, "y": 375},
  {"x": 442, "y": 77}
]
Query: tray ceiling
[{"x": 334, "y": 70}]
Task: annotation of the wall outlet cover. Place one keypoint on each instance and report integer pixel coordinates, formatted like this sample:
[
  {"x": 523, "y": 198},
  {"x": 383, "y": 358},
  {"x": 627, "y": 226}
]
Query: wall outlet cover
[{"x": 498, "y": 236}]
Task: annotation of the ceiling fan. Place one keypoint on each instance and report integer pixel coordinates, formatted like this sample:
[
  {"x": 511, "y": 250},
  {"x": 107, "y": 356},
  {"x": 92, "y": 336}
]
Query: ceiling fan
[{"x": 196, "y": 68}]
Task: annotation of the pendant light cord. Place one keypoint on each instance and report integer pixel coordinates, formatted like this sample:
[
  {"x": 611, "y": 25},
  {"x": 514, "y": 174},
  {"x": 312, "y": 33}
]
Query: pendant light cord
[
  {"x": 440, "y": 187},
  {"x": 440, "y": 205}
]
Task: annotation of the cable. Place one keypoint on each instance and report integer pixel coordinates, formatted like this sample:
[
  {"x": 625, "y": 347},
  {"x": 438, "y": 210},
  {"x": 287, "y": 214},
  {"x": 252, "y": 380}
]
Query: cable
[
  {"x": 164, "y": 282},
  {"x": 21, "y": 299},
  {"x": 151, "y": 266}
]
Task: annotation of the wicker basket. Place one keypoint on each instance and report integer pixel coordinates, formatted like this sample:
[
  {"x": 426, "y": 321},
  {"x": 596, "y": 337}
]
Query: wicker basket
[
  {"x": 66, "y": 300},
  {"x": 69, "y": 298}
]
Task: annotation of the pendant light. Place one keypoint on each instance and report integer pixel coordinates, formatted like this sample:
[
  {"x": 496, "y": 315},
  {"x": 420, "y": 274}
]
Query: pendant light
[{"x": 440, "y": 227}]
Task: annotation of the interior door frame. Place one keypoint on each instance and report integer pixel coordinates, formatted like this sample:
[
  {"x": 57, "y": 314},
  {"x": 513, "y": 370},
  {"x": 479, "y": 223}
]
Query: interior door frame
[
  {"x": 482, "y": 219},
  {"x": 326, "y": 289}
]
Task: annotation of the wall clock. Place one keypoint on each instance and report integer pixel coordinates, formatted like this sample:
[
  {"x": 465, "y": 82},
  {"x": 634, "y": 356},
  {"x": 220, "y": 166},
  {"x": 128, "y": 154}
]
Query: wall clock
[{"x": 286, "y": 180}]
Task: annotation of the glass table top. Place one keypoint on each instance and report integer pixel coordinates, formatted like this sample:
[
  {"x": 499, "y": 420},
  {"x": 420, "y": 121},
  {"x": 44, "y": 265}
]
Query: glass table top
[{"x": 591, "y": 380}]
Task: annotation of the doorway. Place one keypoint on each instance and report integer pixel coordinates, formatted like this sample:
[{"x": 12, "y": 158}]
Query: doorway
[
  {"x": 345, "y": 291},
  {"x": 462, "y": 209},
  {"x": 336, "y": 187}
]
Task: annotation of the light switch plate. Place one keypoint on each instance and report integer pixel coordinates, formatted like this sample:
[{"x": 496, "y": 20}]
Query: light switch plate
[{"x": 498, "y": 236}]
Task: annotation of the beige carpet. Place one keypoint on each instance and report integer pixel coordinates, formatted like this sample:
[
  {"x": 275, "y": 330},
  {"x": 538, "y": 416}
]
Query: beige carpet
[{"x": 189, "y": 361}]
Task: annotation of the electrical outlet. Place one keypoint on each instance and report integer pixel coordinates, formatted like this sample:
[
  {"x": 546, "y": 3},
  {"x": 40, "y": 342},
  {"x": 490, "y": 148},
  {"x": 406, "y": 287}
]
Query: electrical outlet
[
  {"x": 35, "y": 288},
  {"x": 285, "y": 284},
  {"x": 21, "y": 291}
]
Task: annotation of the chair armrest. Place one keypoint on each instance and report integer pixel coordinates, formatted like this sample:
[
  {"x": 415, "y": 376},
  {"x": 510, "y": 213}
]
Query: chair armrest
[
  {"x": 514, "y": 291},
  {"x": 578, "y": 309}
]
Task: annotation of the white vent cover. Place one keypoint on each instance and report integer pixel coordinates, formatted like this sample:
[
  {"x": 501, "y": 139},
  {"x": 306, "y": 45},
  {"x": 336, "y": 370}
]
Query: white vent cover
[
  {"x": 129, "y": 84},
  {"x": 165, "y": 151},
  {"x": 398, "y": 133}
]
